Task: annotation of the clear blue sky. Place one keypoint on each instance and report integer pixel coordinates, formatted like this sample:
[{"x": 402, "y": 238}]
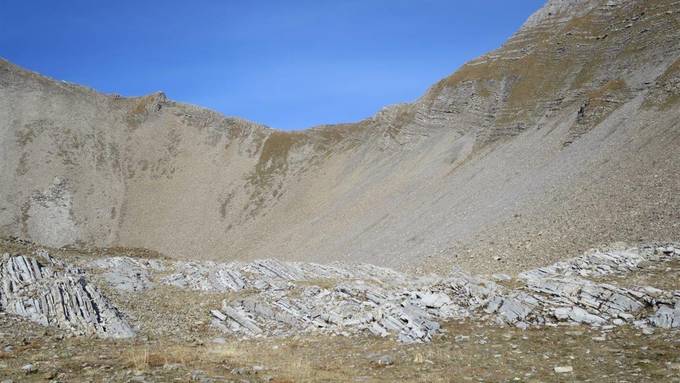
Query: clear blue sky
[{"x": 286, "y": 64}]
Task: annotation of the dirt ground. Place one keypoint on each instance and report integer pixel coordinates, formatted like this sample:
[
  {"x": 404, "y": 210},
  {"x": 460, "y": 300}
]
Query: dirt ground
[{"x": 464, "y": 352}]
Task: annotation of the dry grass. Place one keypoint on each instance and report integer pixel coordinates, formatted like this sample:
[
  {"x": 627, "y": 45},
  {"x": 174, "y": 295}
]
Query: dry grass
[
  {"x": 465, "y": 351},
  {"x": 602, "y": 101},
  {"x": 328, "y": 284},
  {"x": 665, "y": 100},
  {"x": 672, "y": 71},
  {"x": 295, "y": 367},
  {"x": 610, "y": 88},
  {"x": 541, "y": 74},
  {"x": 274, "y": 153},
  {"x": 143, "y": 358},
  {"x": 143, "y": 104}
]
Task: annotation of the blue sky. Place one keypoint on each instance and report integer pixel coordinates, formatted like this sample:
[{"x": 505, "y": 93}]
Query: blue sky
[{"x": 286, "y": 64}]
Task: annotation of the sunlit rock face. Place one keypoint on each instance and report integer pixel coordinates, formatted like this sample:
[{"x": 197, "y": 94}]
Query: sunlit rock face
[{"x": 52, "y": 293}]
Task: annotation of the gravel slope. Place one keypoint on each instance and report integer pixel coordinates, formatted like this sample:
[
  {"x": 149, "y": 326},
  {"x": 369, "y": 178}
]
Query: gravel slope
[{"x": 562, "y": 139}]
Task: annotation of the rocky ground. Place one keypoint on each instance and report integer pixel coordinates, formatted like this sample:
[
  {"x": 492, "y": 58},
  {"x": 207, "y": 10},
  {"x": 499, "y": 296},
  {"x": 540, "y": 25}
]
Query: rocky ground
[
  {"x": 563, "y": 138},
  {"x": 464, "y": 352},
  {"x": 609, "y": 315}
]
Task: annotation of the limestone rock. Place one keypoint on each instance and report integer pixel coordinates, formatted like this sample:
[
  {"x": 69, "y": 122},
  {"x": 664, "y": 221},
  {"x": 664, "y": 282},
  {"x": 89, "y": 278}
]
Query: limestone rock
[
  {"x": 563, "y": 369},
  {"x": 411, "y": 308},
  {"x": 125, "y": 273},
  {"x": 666, "y": 317},
  {"x": 51, "y": 293}
]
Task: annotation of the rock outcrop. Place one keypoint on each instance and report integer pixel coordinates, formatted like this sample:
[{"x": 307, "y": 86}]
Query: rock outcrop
[
  {"x": 411, "y": 308},
  {"x": 274, "y": 298},
  {"x": 127, "y": 274},
  {"x": 52, "y": 293}
]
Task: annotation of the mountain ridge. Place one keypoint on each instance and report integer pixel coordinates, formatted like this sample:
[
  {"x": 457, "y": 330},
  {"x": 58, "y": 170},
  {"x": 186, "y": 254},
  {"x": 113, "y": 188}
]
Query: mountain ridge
[{"x": 466, "y": 174}]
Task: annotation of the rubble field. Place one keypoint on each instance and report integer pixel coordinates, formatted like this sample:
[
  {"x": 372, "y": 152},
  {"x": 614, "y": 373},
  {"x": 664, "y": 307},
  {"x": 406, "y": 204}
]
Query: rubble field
[{"x": 154, "y": 319}]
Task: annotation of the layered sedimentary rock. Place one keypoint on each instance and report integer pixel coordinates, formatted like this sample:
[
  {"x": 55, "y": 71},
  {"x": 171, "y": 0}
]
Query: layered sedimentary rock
[
  {"x": 412, "y": 309},
  {"x": 273, "y": 298},
  {"x": 558, "y": 141},
  {"x": 51, "y": 293}
]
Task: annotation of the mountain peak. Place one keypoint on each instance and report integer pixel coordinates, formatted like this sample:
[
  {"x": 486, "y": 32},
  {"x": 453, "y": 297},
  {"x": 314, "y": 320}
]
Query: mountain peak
[{"x": 559, "y": 11}]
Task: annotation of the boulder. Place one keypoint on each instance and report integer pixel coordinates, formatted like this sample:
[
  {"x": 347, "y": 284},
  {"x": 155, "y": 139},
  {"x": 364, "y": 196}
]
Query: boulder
[{"x": 666, "y": 317}]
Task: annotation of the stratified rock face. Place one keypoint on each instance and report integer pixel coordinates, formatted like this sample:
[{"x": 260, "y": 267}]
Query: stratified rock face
[
  {"x": 274, "y": 298},
  {"x": 51, "y": 293},
  {"x": 127, "y": 274},
  {"x": 556, "y": 11},
  {"x": 411, "y": 308},
  {"x": 556, "y": 142}
]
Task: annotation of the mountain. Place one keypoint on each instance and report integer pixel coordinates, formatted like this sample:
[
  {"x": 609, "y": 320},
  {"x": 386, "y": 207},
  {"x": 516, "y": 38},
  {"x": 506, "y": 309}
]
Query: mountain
[{"x": 565, "y": 137}]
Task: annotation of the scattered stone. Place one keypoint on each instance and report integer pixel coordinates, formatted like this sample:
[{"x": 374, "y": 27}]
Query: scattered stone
[
  {"x": 200, "y": 376},
  {"x": 522, "y": 325},
  {"x": 239, "y": 371},
  {"x": 563, "y": 369},
  {"x": 461, "y": 338},
  {"x": 217, "y": 314},
  {"x": 666, "y": 317},
  {"x": 383, "y": 360},
  {"x": 29, "y": 369}
]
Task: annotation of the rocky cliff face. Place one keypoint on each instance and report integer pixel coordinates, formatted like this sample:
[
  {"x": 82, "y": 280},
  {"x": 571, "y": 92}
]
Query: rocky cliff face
[{"x": 563, "y": 138}]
